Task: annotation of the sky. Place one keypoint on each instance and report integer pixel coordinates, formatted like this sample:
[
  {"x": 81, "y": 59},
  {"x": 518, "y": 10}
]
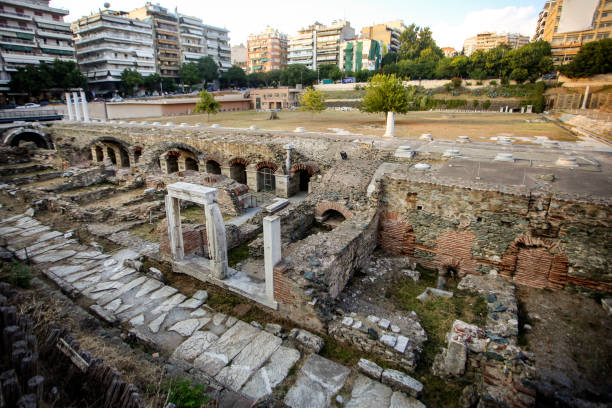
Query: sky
[{"x": 451, "y": 21}]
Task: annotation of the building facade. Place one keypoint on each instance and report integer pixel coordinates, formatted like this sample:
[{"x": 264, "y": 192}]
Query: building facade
[
  {"x": 30, "y": 32},
  {"x": 239, "y": 56},
  {"x": 165, "y": 37},
  {"x": 361, "y": 55},
  {"x": 387, "y": 33},
  {"x": 487, "y": 40},
  {"x": 108, "y": 42},
  {"x": 449, "y": 52},
  {"x": 191, "y": 38},
  {"x": 217, "y": 46},
  {"x": 267, "y": 51},
  {"x": 319, "y": 44},
  {"x": 274, "y": 98},
  {"x": 568, "y": 24}
]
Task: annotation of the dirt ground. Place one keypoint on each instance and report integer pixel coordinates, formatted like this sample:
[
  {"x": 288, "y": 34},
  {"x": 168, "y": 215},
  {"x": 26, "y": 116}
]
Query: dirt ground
[
  {"x": 446, "y": 126},
  {"x": 571, "y": 340}
]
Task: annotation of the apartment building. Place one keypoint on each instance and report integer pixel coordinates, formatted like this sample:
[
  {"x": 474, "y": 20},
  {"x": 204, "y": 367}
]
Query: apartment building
[
  {"x": 191, "y": 38},
  {"x": 361, "y": 55},
  {"x": 568, "y": 24},
  {"x": 449, "y": 52},
  {"x": 217, "y": 46},
  {"x": 387, "y": 33},
  {"x": 487, "y": 40},
  {"x": 319, "y": 44},
  {"x": 239, "y": 56},
  {"x": 267, "y": 51},
  {"x": 165, "y": 36},
  {"x": 30, "y": 32},
  {"x": 108, "y": 42},
  {"x": 275, "y": 98}
]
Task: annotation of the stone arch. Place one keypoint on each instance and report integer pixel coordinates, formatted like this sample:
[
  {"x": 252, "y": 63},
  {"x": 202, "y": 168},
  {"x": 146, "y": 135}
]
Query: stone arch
[
  {"x": 324, "y": 206},
  {"x": 536, "y": 262},
  {"x": 151, "y": 156},
  {"x": 191, "y": 164},
  {"x": 237, "y": 169},
  {"x": 14, "y": 136},
  {"x": 310, "y": 168},
  {"x": 113, "y": 149},
  {"x": 395, "y": 234},
  {"x": 240, "y": 160},
  {"x": 213, "y": 166},
  {"x": 266, "y": 164},
  {"x": 171, "y": 160}
]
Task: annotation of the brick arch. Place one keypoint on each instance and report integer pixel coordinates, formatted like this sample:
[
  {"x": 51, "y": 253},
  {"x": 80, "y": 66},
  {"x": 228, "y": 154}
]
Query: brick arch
[
  {"x": 213, "y": 157},
  {"x": 332, "y": 205},
  {"x": 536, "y": 262},
  {"x": 453, "y": 249},
  {"x": 311, "y": 168},
  {"x": 395, "y": 234},
  {"x": 239, "y": 160},
  {"x": 263, "y": 164}
]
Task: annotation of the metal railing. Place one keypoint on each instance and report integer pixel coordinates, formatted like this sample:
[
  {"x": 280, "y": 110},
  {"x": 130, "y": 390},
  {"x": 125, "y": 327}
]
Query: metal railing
[{"x": 29, "y": 114}]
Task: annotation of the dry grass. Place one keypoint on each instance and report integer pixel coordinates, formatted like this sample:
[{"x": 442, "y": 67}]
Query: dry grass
[{"x": 445, "y": 126}]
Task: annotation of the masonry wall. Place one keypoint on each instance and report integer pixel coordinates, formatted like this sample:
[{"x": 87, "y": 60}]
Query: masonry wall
[{"x": 537, "y": 241}]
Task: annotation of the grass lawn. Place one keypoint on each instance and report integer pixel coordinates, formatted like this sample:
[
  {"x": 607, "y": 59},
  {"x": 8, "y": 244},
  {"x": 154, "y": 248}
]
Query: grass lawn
[{"x": 446, "y": 126}]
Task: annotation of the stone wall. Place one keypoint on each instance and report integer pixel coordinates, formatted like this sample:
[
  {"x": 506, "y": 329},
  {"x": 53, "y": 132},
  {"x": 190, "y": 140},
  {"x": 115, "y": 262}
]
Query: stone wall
[{"x": 540, "y": 241}]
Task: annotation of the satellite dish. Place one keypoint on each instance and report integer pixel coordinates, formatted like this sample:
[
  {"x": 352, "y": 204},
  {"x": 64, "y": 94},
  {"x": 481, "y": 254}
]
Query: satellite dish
[{"x": 106, "y": 5}]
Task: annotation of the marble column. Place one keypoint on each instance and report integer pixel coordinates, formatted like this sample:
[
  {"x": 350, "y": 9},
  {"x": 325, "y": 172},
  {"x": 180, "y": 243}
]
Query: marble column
[
  {"x": 69, "y": 106},
  {"x": 84, "y": 106},
  {"x": 217, "y": 244},
  {"x": 272, "y": 251},
  {"x": 175, "y": 232},
  {"x": 77, "y": 109}
]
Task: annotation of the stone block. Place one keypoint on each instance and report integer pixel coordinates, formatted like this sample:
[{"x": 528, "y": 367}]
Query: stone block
[
  {"x": 384, "y": 323},
  {"x": 194, "y": 345},
  {"x": 388, "y": 340},
  {"x": 308, "y": 342},
  {"x": 400, "y": 400},
  {"x": 402, "y": 382},
  {"x": 370, "y": 368},
  {"x": 368, "y": 393}
]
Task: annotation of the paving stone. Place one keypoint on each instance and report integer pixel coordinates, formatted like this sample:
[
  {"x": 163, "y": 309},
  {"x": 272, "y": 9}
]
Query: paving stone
[
  {"x": 373, "y": 319},
  {"x": 275, "y": 329},
  {"x": 8, "y": 230},
  {"x": 105, "y": 315},
  {"x": 123, "y": 308},
  {"x": 402, "y": 382},
  {"x": 347, "y": 321},
  {"x": 250, "y": 359},
  {"x": 368, "y": 393},
  {"x": 195, "y": 345},
  {"x": 87, "y": 282},
  {"x": 230, "y": 321},
  {"x": 198, "y": 313},
  {"x": 147, "y": 287},
  {"x": 54, "y": 256},
  {"x": 163, "y": 292},
  {"x": 186, "y": 327},
  {"x": 307, "y": 393},
  {"x": 401, "y": 400},
  {"x": 123, "y": 289},
  {"x": 370, "y": 368},
  {"x": 34, "y": 231},
  {"x": 388, "y": 340},
  {"x": 138, "y": 320},
  {"x": 384, "y": 323},
  {"x": 169, "y": 303},
  {"x": 123, "y": 273},
  {"x": 114, "y": 305},
  {"x": 218, "y": 318},
  {"x": 402, "y": 343},
  {"x": 191, "y": 303},
  {"x": 63, "y": 270},
  {"x": 272, "y": 373},
  {"x": 226, "y": 348},
  {"x": 201, "y": 295},
  {"x": 80, "y": 275},
  {"x": 306, "y": 340},
  {"x": 157, "y": 322},
  {"x": 87, "y": 254}
]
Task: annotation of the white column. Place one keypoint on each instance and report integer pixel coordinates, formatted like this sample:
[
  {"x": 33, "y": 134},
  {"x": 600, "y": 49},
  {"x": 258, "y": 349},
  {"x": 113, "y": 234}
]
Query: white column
[
  {"x": 84, "y": 106},
  {"x": 390, "y": 132},
  {"x": 288, "y": 148},
  {"x": 175, "y": 233},
  {"x": 586, "y": 97},
  {"x": 272, "y": 250},
  {"x": 77, "y": 110},
  {"x": 69, "y": 106},
  {"x": 217, "y": 244}
]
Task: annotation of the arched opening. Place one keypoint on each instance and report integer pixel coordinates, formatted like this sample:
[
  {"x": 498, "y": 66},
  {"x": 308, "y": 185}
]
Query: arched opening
[
  {"x": 99, "y": 154},
  {"x": 191, "y": 164},
  {"x": 213, "y": 167},
  {"x": 238, "y": 173},
  {"x": 332, "y": 218},
  {"x": 172, "y": 163},
  {"x": 266, "y": 181},
  {"x": 125, "y": 158},
  {"x": 304, "y": 179},
  {"x": 137, "y": 154},
  {"x": 37, "y": 139},
  {"x": 111, "y": 154}
]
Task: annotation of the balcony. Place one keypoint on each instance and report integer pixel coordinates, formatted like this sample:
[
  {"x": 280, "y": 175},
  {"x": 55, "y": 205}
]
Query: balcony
[
  {"x": 52, "y": 34},
  {"x": 15, "y": 16},
  {"x": 17, "y": 28},
  {"x": 112, "y": 26}
]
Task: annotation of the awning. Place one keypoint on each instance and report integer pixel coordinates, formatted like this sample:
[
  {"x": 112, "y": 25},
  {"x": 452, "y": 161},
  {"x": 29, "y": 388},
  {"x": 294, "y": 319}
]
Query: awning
[{"x": 15, "y": 47}]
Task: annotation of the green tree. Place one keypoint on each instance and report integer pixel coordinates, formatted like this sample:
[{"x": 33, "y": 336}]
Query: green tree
[
  {"x": 169, "y": 84},
  {"x": 390, "y": 58},
  {"x": 519, "y": 75},
  {"x": 414, "y": 40},
  {"x": 152, "y": 82},
  {"x": 330, "y": 71},
  {"x": 31, "y": 80},
  {"x": 207, "y": 103},
  {"x": 593, "y": 58},
  {"x": 34, "y": 79},
  {"x": 131, "y": 79},
  {"x": 209, "y": 70},
  {"x": 190, "y": 74},
  {"x": 533, "y": 58},
  {"x": 235, "y": 76},
  {"x": 362, "y": 75},
  {"x": 385, "y": 93},
  {"x": 296, "y": 74},
  {"x": 312, "y": 101}
]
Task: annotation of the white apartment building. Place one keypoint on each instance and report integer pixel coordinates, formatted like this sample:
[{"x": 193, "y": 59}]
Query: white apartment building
[
  {"x": 319, "y": 44},
  {"x": 218, "y": 47},
  {"x": 30, "y": 32},
  {"x": 107, "y": 43},
  {"x": 191, "y": 38}
]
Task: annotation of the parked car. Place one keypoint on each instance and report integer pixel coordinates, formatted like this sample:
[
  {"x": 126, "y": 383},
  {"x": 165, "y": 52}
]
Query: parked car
[
  {"x": 549, "y": 76},
  {"x": 98, "y": 100},
  {"x": 29, "y": 105},
  {"x": 9, "y": 106},
  {"x": 116, "y": 99}
]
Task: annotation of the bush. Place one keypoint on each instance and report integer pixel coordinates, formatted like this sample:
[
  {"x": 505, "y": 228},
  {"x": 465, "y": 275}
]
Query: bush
[
  {"x": 183, "y": 394},
  {"x": 519, "y": 75},
  {"x": 358, "y": 87},
  {"x": 486, "y": 104},
  {"x": 448, "y": 86},
  {"x": 505, "y": 82},
  {"x": 478, "y": 82},
  {"x": 456, "y": 82},
  {"x": 475, "y": 103},
  {"x": 468, "y": 84},
  {"x": 17, "y": 273},
  {"x": 493, "y": 83}
]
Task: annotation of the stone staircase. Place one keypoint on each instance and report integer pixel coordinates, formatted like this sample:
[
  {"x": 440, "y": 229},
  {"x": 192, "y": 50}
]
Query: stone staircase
[{"x": 239, "y": 356}]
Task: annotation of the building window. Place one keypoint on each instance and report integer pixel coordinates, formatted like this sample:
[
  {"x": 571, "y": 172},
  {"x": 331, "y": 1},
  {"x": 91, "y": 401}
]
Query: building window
[
  {"x": 603, "y": 35},
  {"x": 19, "y": 10},
  {"x": 56, "y": 18}
]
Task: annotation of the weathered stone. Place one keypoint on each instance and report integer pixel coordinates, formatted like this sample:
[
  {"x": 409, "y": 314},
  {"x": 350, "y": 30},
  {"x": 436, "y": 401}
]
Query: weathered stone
[
  {"x": 370, "y": 368},
  {"x": 201, "y": 295},
  {"x": 105, "y": 315},
  {"x": 157, "y": 322},
  {"x": 163, "y": 292},
  {"x": 357, "y": 325},
  {"x": 138, "y": 320},
  {"x": 307, "y": 341},
  {"x": 275, "y": 329},
  {"x": 347, "y": 321},
  {"x": 156, "y": 274},
  {"x": 195, "y": 345},
  {"x": 606, "y": 303},
  {"x": 402, "y": 382},
  {"x": 186, "y": 327},
  {"x": 191, "y": 303},
  {"x": 388, "y": 340},
  {"x": 272, "y": 373},
  {"x": 384, "y": 323},
  {"x": 402, "y": 343},
  {"x": 400, "y": 400},
  {"x": 395, "y": 329},
  {"x": 54, "y": 256},
  {"x": 368, "y": 393}
]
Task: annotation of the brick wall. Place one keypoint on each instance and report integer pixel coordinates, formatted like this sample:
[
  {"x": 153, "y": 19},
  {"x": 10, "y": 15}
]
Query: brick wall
[{"x": 395, "y": 235}]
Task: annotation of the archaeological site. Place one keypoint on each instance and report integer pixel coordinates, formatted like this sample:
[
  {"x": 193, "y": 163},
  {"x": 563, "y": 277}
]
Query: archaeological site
[{"x": 250, "y": 267}]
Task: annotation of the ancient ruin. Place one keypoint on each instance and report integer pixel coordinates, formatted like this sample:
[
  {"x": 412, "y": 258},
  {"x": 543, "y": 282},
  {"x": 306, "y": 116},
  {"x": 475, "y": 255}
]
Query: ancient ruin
[{"x": 344, "y": 242}]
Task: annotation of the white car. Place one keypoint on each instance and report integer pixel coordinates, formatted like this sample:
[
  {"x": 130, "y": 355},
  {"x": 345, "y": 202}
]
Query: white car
[{"x": 29, "y": 105}]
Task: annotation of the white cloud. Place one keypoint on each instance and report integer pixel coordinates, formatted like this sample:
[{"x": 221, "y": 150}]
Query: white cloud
[{"x": 508, "y": 19}]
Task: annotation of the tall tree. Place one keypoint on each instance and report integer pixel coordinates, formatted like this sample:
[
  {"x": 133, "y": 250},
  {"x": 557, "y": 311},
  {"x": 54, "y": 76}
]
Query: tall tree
[
  {"x": 330, "y": 71},
  {"x": 312, "y": 101},
  {"x": 190, "y": 74},
  {"x": 386, "y": 93},
  {"x": 152, "y": 82},
  {"x": 209, "y": 70},
  {"x": 415, "y": 39},
  {"x": 207, "y": 103},
  {"x": 296, "y": 74},
  {"x": 592, "y": 59},
  {"x": 131, "y": 79},
  {"x": 235, "y": 76},
  {"x": 533, "y": 58}
]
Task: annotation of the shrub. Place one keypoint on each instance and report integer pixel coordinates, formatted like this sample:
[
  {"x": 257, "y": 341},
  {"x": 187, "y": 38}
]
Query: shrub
[
  {"x": 493, "y": 83},
  {"x": 456, "y": 82},
  {"x": 486, "y": 104},
  {"x": 468, "y": 84},
  {"x": 478, "y": 82},
  {"x": 448, "y": 86},
  {"x": 505, "y": 82},
  {"x": 183, "y": 394},
  {"x": 475, "y": 103},
  {"x": 17, "y": 273},
  {"x": 519, "y": 75}
]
